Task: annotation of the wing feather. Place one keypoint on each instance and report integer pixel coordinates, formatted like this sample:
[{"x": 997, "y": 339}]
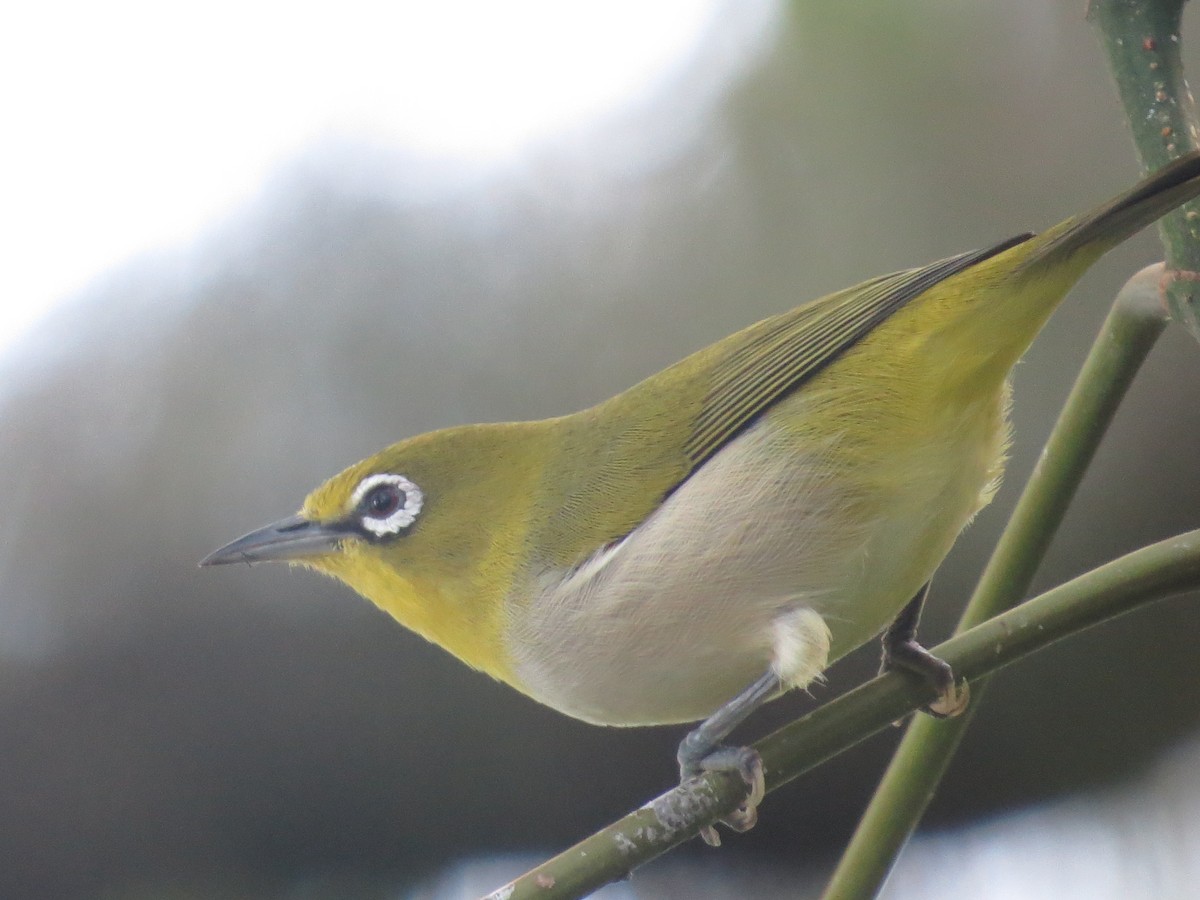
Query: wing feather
[{"x": 786, "y": 350}]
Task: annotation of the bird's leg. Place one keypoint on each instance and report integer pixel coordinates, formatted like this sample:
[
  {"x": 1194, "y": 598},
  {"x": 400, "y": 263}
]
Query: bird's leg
[
  {"x": 702, "y": 751},
  {"x": 901, "y": 651}
]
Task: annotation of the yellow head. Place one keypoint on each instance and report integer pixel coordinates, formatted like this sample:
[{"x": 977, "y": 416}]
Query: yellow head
[{"x": 429, "y": 529}]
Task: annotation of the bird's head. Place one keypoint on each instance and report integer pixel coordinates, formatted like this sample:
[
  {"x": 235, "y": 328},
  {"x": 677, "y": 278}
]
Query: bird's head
[
  {"x": 428, "y": 529},
  {"x": 363, "y": 512}
]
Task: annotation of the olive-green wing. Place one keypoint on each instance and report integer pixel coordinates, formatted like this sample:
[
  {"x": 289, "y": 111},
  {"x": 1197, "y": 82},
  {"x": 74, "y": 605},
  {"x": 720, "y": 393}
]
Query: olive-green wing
[{"x": 781, "y": 353}]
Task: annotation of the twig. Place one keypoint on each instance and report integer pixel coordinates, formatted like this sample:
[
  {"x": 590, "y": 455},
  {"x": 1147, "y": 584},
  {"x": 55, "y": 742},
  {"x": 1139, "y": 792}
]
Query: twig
[
  {"x": 1128, "y": 334},
  {"x": 1141, "y": 38}
]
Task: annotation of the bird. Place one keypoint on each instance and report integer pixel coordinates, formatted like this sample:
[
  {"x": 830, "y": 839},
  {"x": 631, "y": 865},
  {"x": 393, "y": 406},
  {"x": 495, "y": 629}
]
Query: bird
[{"x": 724, "y": 530}]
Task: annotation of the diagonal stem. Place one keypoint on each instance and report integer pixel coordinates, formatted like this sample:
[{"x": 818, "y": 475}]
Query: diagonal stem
[{"x": 1128, "y": 334}]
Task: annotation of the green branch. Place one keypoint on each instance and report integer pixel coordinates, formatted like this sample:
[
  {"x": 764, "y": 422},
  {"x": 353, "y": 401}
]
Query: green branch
[
  {"x": 1128, "y": 334},
  {"x": 1141, "y": 38},
  {"x": 1152, "y": 573}
]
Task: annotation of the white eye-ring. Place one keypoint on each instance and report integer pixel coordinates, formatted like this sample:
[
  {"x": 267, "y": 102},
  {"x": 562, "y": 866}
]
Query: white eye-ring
[{"x": 386, "y": 503}]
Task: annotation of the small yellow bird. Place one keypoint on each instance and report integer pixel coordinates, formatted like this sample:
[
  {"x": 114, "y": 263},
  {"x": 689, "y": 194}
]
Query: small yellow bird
[{"x": 724, "y": 530}]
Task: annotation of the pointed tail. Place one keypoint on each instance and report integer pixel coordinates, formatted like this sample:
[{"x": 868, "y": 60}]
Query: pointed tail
[{"x": 1095, "y": 233}]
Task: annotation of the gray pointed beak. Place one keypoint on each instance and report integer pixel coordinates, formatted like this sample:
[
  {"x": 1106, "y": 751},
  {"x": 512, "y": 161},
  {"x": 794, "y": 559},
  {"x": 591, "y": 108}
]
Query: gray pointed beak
[{"x": 288, "y": 540}]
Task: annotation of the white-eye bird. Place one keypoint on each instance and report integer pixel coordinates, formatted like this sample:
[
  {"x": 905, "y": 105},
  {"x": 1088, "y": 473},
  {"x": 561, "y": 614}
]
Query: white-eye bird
[{"x": 724, "y": 530}]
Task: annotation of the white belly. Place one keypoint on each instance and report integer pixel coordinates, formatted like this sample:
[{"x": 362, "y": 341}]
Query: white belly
[{"x": 766, "y": 557}]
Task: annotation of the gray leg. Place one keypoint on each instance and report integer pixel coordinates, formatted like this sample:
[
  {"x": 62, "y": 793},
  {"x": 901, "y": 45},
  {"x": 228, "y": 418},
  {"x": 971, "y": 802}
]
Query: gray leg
[
  {"x": 702, "y": 751},
  {"x": 901, "y": 651}
]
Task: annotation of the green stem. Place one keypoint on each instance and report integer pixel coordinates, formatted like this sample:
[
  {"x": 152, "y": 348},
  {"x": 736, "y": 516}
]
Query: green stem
[
  {"x": 1128, "y": 334},
  {"x": 1141, "y": 38},
  {"x": 1160, "y": 570}
]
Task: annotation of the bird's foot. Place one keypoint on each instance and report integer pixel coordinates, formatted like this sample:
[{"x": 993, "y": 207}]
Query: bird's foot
[
  {"x": 910, "y": 656},
  {"x": 702, "y": 751},
  {"x": 742, "y": 760}
]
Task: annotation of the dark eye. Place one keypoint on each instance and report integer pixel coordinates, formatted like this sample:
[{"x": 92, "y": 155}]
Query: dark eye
[
  {"x": 386, "y": 503},
  {"x": 382, "y": 500}
]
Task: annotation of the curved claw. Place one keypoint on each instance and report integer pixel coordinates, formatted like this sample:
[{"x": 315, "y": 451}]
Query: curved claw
[
  {"x": 951, "y": 702},
  {"x": 743, "y": 818},
  {"x": 750, "y": 767}
]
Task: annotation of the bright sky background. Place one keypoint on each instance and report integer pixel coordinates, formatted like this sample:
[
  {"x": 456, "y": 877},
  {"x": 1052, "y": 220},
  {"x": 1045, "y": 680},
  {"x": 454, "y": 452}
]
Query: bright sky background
[{"x": 130, "y": 125}]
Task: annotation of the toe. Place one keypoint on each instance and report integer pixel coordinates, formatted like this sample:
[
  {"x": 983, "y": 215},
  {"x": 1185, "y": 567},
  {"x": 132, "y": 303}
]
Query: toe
[
  {"x": 743, "y": 818},
  {"x": 748, "y": 765},
  {"x": 951, "y": 702},
  {"x": 751, "y": 768}
]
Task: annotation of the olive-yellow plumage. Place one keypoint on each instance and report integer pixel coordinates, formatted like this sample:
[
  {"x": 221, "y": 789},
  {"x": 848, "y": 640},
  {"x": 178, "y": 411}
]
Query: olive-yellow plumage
[{"x": 763, "y": 506}]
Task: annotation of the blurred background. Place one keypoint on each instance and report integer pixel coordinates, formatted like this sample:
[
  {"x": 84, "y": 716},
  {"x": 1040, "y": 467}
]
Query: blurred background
[{"x": 248, "y": 244}]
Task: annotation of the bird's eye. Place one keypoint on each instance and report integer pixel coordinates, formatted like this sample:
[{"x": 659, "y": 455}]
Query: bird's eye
[
  {"x": 382, "y": 501},
  {"x": 386, "y": 504}
]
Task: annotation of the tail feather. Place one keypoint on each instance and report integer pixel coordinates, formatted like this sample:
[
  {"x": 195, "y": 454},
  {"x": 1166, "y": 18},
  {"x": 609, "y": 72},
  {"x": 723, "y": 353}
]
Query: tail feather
[{"x": 1103, "y": 228}]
